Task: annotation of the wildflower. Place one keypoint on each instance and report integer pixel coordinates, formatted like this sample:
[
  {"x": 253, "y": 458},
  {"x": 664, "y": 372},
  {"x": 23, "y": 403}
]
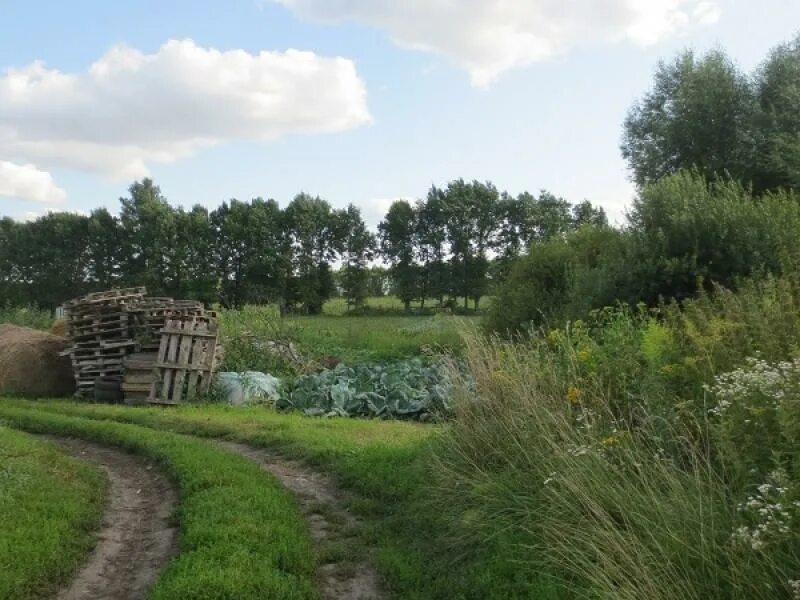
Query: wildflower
[
  {"x": 573, "y": 395},
  {"x": 610, "y": 440},
  {"x": 584, "y": 355}
]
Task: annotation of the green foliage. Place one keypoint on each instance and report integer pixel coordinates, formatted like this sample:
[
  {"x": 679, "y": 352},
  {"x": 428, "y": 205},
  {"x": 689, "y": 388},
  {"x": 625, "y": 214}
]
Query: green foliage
[
  {"x": 402, "y": 390},
  {"x": 686, "y": 230},
  {"x": 252, "y": 338},
  {"x": 776, "y": 160},
  {"x": 684, "y": 235},
  {"x": 397, "y": 244},
  {"x": 561, "y": 278},
  {"x": 51, "y": 504},
  {"x": 703, "y": 113},
  {"x": 358, "y": 246},
  {"x": 250, "y": 252},
  {"x": 31, "y": 316},
  {"x": 592, "y": 448}
]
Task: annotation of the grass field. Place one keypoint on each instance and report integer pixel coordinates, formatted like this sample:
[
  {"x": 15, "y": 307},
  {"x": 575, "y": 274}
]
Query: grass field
[
  {"x": 241, "y": 534},
  {"x": 383, "y": 464},
  {"x": 332, "y": 335},
  {"x": 49, "y": 505},
  {"x": 351, "y": 339}
]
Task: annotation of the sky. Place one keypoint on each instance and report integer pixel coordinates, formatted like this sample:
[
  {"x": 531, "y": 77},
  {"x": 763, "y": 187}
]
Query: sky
[{"x": 357, "y": 101}]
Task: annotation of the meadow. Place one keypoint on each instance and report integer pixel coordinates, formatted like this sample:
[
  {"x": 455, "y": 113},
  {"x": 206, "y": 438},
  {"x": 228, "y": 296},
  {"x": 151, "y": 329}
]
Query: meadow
[{"x": 634, "y": 453}]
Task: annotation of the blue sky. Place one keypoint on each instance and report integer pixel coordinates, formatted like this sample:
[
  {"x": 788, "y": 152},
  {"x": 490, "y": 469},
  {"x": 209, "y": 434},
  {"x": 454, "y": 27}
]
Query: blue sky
[{"x": 427, "y": 93}]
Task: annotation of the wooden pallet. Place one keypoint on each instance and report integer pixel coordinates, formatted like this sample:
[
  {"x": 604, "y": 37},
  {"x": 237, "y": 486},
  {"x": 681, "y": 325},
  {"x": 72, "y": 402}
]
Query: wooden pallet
[
  {"x": 186, "y": 359},
  {"x": 139, "y": 377},
  {"x": 99, "y": 326}
]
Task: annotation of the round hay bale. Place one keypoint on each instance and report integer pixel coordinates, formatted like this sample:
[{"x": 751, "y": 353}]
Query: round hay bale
[
  {"x": 30, "y": 364},
  {"x": 59, "y": 327}
]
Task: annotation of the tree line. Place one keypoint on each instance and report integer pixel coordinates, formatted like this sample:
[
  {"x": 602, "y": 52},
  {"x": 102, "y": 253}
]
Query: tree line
[
  {"x": 449, "y": 245},
  {"x": 715, "y": 154}
]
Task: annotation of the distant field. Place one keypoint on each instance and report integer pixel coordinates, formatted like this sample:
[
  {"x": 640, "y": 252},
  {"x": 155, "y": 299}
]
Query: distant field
[
  {"x": 358, "y": 339},
  {"x": 338, "y": 306},
  {"x": 350, "y": 338}
]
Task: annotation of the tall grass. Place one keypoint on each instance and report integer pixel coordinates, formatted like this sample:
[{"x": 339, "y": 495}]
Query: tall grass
[{"x": 590, "y": 451}]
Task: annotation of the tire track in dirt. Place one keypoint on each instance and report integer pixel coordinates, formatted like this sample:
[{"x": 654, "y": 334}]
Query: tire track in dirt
[
  {"x": 343, "y": 575},
  {"x": 136, "y": 539}
]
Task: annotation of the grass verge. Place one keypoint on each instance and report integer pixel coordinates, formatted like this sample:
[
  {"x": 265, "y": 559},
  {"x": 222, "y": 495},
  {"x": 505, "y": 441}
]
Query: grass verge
[
  {"x": 241, "y": 535},
  {"x": 384, "y": 464},
  {"x": 50, "y": 503}
]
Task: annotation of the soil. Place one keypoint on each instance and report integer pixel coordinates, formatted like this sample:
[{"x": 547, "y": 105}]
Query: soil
[
  {"x": 30, "y": 364},
  {"x": 136, "y": 539},
  {"x": 330, "y": 524}
]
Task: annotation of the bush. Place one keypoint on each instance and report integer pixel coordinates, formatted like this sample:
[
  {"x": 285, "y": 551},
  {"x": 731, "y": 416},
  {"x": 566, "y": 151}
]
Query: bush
[
  {"x": 685, "y": 229},
  {"x": 560, "y": 279}
]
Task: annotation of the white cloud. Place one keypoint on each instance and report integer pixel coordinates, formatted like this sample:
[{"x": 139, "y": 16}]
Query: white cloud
[
  {"x": 130, "y": 109},
  {"x": 374, "y": 210},
  {"x": 26, "y": 182},
  {"x": 488, "y": 37}
]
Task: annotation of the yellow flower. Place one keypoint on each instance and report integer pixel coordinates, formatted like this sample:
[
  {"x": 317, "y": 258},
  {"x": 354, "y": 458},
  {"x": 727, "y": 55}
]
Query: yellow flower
[
  {"x": 573, "y": 395},
  {"x": 610, "y": 440},
  {"x": 584, "y": 355}
]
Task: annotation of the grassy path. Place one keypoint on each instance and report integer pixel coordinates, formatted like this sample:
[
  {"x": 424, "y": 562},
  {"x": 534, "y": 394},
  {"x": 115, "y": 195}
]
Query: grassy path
[
  {"x": 241, "y": 534},
  {"x": 137, "y": 538},
  {"x": 345, "y": 566},
  {"x": 50, "y": 504},
  {"x": 384, "y": 466}
]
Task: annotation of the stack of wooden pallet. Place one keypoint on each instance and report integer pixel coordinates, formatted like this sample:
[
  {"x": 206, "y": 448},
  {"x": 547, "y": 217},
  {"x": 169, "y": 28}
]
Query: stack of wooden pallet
[
  {"x": 151, "y": 314},
  {"x": 186, "y": 358},
  {"x": 139, "y": 377},
  {"x": 99, "y": 326}
]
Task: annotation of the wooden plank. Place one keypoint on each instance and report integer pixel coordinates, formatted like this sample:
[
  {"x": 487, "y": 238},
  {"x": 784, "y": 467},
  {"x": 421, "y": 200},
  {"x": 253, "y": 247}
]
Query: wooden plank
[
  {"x": 198, "y": 362},
  {"x": 182, "y": 361}
]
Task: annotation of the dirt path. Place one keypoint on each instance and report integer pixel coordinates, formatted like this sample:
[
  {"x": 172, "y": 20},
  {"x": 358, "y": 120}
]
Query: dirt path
[
  {"x": 345, "y": 572},
  {"x": 136, "y": 539}
]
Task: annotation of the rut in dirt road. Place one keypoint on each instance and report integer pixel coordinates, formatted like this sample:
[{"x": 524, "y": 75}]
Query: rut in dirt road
[
  {"x": 136, "y": 539},
  {"x": 340, "y": 577}
]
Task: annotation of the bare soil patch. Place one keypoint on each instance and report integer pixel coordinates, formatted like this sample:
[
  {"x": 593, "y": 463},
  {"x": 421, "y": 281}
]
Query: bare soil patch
[
  {"x": 137, "y": 538},
  {"x": 345, "y": 571}
]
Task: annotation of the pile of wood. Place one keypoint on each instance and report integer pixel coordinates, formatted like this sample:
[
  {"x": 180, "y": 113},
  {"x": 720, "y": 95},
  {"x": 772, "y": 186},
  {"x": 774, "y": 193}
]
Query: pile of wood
[
  {"x": 159, "y": 350},
  {"x": 186, "y": 358},
  {"x": 151, "y": 314},
  {"x": 99, "y": 327}
]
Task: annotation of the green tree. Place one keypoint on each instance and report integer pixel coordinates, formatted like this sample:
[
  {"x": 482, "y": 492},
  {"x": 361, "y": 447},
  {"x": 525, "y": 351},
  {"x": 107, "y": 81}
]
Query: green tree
[
  {"x": 148, "y": 231},
  {"x": 585, "y": 213},
  {"x": 358, "y": 247},
  {"x": 195, "y": 265},
  {"x": 10, "y": 292},
  {"x": 103, "y": 250},
  {"x": 249, "y": 251},
  {"x": 472, "y": 223},
  {"x": 697, "y": 115},
  {"x": 776, "y": 162},
  {"x": 315, "y": 241},
  {"x": 430, "y": 238},
  {"x": 396, "y": 233},
  {"x": 50, "y": 273},
  {"x": 686, "y": 231}
]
